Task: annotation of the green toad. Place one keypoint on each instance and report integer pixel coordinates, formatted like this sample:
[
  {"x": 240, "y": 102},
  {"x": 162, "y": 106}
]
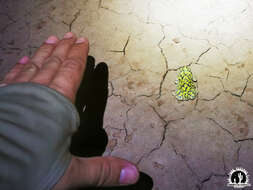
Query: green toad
[{"x": 186, "y": 88}]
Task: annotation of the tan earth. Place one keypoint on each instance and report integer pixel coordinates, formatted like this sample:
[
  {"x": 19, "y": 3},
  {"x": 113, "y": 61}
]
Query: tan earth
[{"x": 181, "y": 145}]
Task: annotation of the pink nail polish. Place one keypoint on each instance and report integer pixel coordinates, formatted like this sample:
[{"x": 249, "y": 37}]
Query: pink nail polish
[
  {"x": 128, "y": 175},
  {"x": 52, "y": 40},
  {"x": 80, "y": 40},
  {"x": 68, "y": 35},
  {"x": 24, "y": 60}
]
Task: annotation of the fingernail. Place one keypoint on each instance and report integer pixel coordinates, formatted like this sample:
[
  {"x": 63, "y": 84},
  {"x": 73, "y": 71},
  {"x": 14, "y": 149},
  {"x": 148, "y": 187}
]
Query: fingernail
[
  {"x": 24, "y": 60},
  {"x": 68, "y": 35},
  {"x": 128, "y": 175},
  {"x": 80, "y": 40},
  {"x": 52, "y": 40}
]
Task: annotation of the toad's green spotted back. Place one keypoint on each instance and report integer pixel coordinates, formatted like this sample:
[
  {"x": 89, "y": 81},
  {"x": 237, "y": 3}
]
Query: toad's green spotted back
[{"x": 186, "y": 87}]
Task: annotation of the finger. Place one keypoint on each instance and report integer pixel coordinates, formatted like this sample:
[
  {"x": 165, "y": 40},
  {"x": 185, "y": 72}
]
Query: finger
[
  {"x": 51, "y": 65},
  {"x": 16, "y": 69},
  {"x": 45, "y": 51},
  {"x": 100, "y": 172},
  {"x": 47, "y": 71},
  {"x": 106, "y": 171},
  {"x": 64, "y": 46},
  {"x": 27, "y": 73},
  {"x": 70, "y": 74}
]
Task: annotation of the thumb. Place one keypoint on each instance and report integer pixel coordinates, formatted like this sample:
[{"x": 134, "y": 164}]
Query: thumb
[{"x": 100, "y": 171}]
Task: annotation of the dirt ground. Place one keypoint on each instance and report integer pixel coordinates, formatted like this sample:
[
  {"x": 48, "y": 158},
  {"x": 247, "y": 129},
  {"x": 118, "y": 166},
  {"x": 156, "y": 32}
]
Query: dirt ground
[{"x": 180, "y": 144}]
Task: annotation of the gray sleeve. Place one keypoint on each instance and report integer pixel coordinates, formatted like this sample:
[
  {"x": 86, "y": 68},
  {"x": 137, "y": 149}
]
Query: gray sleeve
[{"x": 36, "y": 124}]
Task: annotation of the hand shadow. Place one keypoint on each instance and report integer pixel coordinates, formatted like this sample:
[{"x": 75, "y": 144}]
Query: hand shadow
[{"x": 91, "y": 139}]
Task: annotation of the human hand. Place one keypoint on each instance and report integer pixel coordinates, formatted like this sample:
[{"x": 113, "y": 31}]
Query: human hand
[
  {"x": 60, "y": 64},
  {"x": 57, "y": 64}
]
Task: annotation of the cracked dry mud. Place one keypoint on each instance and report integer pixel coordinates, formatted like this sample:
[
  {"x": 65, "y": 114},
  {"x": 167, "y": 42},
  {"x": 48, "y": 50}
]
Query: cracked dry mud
[{"x": 181, "y": 145}]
